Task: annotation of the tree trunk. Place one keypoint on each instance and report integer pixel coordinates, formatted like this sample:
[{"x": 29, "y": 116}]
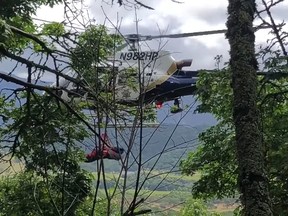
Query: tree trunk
[{"x": 253, "y": 182}]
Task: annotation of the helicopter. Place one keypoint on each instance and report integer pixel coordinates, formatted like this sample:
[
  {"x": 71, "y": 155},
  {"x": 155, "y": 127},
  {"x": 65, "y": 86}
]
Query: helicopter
[
  {"x": 152, "y": 76},
  {"x": 155, "y": 75}
]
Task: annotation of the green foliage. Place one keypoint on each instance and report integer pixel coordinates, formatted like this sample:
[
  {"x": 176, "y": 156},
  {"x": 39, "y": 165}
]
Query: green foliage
[
  {"x": 5, "y": 33},
  {"x": 20, "y": 195},
  {"x": 215, "y": 94},
  {"x": 196, "y": 208},
  {"x": 12, "y": 41},
  {"x": 100, "y": 208},
  {"x": 89, "y": 57},
  {"x": 44, "y": 124},
  {"x": 28, "y": 194},
  {"x": 24, "y": 9},
  {"x": 46, "y": 137},
  {"x": 18, "y": 13},
  {"x": 93, "y": 46},
  {"x": 54, "y": 28},
  {"x": 215, "y": 158}
]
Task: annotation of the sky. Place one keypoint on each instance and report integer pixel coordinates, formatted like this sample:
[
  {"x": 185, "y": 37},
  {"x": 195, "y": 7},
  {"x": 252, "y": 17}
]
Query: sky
[{"x": 169, "y": 17}]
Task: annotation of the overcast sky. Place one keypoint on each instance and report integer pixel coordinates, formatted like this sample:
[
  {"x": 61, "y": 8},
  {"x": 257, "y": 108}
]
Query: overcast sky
[{"x": 170, "y": 18}]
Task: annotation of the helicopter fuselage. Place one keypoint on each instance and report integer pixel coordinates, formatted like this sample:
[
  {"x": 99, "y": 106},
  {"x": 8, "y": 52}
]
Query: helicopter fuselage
[
  {"x": 145, "y": 77},
  {"x": 150, "y": 75},
  {"x": 181, "y": 83}
]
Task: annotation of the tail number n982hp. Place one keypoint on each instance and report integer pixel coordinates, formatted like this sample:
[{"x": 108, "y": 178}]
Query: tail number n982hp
[{"x": 139, "y": 56}]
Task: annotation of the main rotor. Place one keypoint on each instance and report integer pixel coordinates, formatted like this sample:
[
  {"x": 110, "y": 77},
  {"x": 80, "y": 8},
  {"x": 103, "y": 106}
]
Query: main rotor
[{"x": 133, "y": 40}]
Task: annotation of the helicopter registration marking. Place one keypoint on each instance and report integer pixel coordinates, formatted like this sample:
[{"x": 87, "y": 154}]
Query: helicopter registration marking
[{"x": 138, "y": 55}]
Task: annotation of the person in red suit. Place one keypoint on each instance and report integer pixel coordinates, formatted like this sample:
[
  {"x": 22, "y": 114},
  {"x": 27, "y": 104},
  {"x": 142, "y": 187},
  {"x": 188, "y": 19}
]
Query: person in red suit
[{"x": 106, "y": 152}]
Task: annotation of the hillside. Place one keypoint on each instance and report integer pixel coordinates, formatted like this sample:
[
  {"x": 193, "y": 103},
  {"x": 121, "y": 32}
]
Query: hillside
[
  {"x": 164, "y": 191},
  {"x": 162, "y": 147}
]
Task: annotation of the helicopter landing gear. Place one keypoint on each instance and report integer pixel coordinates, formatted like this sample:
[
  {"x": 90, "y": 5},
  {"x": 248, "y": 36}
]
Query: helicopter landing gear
[{"x": 176, "y": 108}]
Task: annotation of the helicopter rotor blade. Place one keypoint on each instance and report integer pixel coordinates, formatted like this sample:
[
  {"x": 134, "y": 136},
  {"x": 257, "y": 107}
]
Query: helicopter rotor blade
[
  {"x": 200, "y": 33},
  {"x": 191, "y": 34},
  {"x": 134, "y": 38}
]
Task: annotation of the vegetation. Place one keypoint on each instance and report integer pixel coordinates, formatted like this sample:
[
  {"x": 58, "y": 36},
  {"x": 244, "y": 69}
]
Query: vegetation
[
  {"x": 46, "y": 133},
  {"x": 216, "y": 157},
  {"x": 197, "y": 208},
  {"x": 241, "y": 157}
]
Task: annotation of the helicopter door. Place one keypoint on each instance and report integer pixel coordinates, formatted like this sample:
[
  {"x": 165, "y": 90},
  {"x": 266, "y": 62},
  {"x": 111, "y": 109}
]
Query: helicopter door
[
  {"x": 155, "y": 67},
  {"x": 148, "y": 71}
]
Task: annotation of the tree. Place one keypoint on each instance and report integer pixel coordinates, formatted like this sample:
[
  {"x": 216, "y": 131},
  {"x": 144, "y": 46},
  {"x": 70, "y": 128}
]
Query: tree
[
  {"x": 23, "y": 9},
  {"x": 45, "y": 132},
  {"x": 216, "y": 158},
  {"x": 45, "y": 137},
  {"x": 197, "y": 208},
  {"x": 252, "y": 180}
]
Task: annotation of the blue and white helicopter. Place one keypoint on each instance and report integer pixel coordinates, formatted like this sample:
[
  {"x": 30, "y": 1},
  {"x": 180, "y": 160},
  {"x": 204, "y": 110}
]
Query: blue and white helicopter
[{"x": 156, "y": 76}]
